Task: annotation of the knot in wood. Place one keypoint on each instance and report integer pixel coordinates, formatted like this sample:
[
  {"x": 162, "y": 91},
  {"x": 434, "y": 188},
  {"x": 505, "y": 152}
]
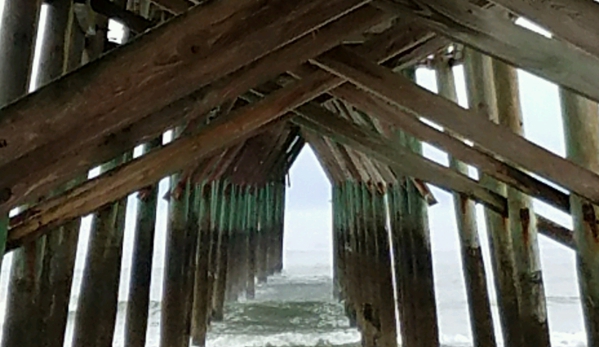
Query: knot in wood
[{"x": 194, "y": 46}]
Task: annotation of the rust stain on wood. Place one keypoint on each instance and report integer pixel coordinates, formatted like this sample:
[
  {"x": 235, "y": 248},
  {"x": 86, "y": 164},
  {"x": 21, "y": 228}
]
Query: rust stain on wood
[
  {"x": 525, "y": 221},
  {"x": 590, "y": 220}
]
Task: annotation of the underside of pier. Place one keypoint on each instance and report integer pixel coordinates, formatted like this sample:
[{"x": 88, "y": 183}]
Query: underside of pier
[{"x": 242, "y": 86}]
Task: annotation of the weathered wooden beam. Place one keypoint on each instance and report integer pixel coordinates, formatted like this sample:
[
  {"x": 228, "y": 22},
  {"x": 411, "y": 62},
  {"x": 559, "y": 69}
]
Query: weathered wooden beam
[
  {"x": 327, "y": 123},
  {"x": 152, "y": 167},
  {"x": 39, "y": 173},
  {"x": 196, "y": 62},
  {"x": 494, "y": 138},
  {"x": 174, "y": 6},
  {"x": 574, "y": 21},
  {"x": 331, "y": 167},
  {"x": 494, "y": 33},
  {"x": 504, "y": 172},
  {"x": 133, "y": 21}
]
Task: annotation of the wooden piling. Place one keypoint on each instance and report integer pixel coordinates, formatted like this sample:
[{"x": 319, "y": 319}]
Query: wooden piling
[
  {"x": 481, "y": 320},
  {"x": 250, "y": 290},
  {"x": 172, "y": 326},
  {"x": 279, "y": 221},
  {"x": 386, "y": 295},
  {"x": 200, "y": 302},
  {"x": 337, "y": 244},
  {"x": 59, "y": 245},
  {"x": 420, "y": 272},
  {"x": 136, "y": 322},
  {"x": 348, "y": 247},
  {"x": 263, "y": 233},
  {"x": 478, "y": 70},
  {"x": 581, "y": 126},
  {"x": 190, "y": 250},
  {"x": 216, "y": 202},
  {"x": 64, "y": 241},
  {"x": 523, "y": 226},
  {"x": 19, "y": 27},
  {"x": 97, "y": 307},
  {"x": 368, "y": 319},
  {"x": 229, "y": 200}
]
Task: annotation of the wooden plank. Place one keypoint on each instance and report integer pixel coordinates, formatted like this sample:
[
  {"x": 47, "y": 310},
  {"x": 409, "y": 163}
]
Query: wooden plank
[
  {"x": 396, "y": 117},
  {"x": 174, "y": 6},
  {"x": 150, "y": 168},
  {"x": 129, "y": 84},
  {"x": 574, "y": 21},
  {"x": 331, "y": 167},
  {"x": 343, "y": 131},
  {"x": 36, "y": 173},
  {"x": 466, "y": 123},
  {"x": 495, "y": 34},
  {"x": 133, "y": 21}
]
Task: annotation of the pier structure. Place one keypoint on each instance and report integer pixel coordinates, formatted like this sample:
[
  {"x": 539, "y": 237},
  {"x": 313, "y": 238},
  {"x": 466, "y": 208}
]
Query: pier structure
[{"x": 242, "y": 86}]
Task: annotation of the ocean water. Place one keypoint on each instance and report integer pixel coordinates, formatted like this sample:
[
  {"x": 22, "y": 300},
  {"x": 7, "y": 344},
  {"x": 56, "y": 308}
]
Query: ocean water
[{"x": 296, "y": 308}]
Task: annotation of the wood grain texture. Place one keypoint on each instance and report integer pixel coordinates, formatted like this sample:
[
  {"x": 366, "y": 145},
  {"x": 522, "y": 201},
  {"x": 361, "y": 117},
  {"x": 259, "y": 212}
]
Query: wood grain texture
[
  {"x": 504, "y": 172},
  {"x": 36, "y": 173},
  {"x": 574, "y": 21},
  {"x": 150, "y": 168},
  {"x": 191, "y": 51},
  {"x": 466, "y": 123},
  {"x": 375, "y": 146},
  {"x": 496, "y": 35}
]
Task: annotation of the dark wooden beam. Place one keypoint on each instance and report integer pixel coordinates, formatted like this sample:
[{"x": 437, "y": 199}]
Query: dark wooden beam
[
  {"x": 36, "y": 173},
  {"x": 333, "y": 169},
  {"x": 466, "y": 123},
  {"x": 492, "y": 32},
  {"x": 574, "y": 21},
  {"x": 150, "y": 168},
  {"x": 136, "y": 23}
]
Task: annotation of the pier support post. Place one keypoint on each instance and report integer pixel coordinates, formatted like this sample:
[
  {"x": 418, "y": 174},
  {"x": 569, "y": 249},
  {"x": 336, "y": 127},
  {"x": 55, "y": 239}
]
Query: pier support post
[
  {"x": 523, "y": 226},
  {"x": 386, "y": 295},
  {"x": 172, "y": 326},
  {"x": 250, "y": 290},
  {"x": 581, "y": 126},
  {"x": 481, "y": 320},
  {"x": 136, "y": 322},
  {"x": 478, "y": 70},
  {"x": 201, "y": 306},
  {"x": 265, "y": 204},
  {"x": 229, "y": 197}
]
